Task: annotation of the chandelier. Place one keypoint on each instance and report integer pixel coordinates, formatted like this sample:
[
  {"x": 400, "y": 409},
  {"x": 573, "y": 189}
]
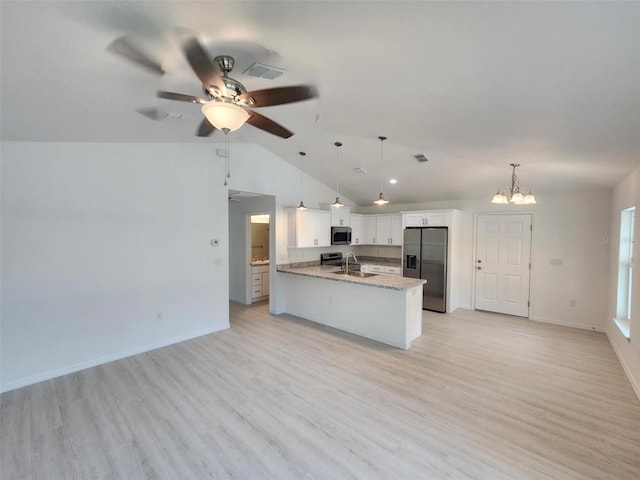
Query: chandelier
[{"x": 515, "y": 194}]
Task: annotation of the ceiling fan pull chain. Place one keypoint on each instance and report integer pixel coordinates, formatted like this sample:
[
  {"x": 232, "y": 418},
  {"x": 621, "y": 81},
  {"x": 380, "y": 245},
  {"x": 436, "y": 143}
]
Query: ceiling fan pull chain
[{"x": 228, "y": 159}]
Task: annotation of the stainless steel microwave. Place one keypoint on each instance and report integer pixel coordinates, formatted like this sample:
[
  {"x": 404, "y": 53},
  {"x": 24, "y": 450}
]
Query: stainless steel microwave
[{"x": 340, "y": 235}]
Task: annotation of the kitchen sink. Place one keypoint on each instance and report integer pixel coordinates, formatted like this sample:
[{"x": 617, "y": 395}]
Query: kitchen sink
[{"x": 355, "y": 274}]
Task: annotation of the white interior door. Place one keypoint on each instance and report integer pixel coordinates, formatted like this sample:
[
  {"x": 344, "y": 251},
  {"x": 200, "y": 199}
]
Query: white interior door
[{"x": 503, "y": 263}]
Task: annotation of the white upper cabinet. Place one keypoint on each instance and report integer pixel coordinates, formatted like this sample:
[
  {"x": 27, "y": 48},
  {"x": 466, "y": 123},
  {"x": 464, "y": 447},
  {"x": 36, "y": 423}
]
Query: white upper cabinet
[
  {"x": 341, "y": 217},
  {"x": 370, "y": 227},
  {"x": 426, "y": 219},
  {"x": 357, "y": 229},
  {"x": 397, "y": 232},
  {"x": 389, "y": 230},
  {"x": 308, "y": 228}
]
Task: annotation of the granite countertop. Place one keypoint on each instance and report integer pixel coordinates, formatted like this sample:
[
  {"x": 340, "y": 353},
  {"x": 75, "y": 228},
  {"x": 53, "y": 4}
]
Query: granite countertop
[{"x": 393, "y": 282}]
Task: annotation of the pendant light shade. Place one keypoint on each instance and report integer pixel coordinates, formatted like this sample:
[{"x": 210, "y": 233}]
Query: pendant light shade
[
  {"x": 301, "y": 206},
  {"x": 381, "y": 200},
  {"x": 337, "y": 203},
  {"x": 225, "y": 116},
  {"x": 514, "y": 194}
]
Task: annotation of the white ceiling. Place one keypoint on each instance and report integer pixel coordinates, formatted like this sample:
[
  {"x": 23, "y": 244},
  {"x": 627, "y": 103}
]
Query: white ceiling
[{"x": 474, "y": 86}]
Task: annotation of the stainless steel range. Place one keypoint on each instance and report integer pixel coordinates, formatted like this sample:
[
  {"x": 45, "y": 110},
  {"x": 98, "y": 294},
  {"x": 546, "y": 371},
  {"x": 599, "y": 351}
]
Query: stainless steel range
[{"x": 334, "y": 258}]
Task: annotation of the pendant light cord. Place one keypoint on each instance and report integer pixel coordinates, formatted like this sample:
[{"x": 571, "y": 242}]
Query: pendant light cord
[
  {"x": 302, "y": 154},
  {"x": 381, "y": 157},
  {"x": 338, "y": 145}
]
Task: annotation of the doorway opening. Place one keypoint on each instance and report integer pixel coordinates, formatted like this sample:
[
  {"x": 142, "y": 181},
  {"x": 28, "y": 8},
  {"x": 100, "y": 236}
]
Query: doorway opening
[{"x": 259, "y": 244}]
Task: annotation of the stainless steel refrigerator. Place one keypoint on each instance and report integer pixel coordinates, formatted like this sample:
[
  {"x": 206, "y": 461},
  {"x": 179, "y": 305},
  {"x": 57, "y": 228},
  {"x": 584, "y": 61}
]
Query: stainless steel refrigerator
[{"x": 425, "y": 256}]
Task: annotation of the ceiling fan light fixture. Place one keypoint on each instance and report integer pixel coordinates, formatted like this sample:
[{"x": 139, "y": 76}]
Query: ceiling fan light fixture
[{"x": 225, "y": 116}]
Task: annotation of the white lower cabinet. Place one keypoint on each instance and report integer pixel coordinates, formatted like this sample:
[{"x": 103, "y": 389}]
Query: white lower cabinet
[
  {"x": 259, "y": 282},
  {"x": 381, "y": 269}
]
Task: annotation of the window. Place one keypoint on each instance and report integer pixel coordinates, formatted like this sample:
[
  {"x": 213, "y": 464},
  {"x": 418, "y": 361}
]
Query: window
[{"x": 625, "y": 271}]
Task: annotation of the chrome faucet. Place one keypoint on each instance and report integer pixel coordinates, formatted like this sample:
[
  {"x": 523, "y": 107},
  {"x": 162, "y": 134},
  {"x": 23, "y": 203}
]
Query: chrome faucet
[{"x": 346, "y": 267}]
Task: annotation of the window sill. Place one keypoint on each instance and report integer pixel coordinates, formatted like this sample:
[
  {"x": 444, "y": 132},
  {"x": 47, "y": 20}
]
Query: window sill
[{"x": 624, "y": 326}]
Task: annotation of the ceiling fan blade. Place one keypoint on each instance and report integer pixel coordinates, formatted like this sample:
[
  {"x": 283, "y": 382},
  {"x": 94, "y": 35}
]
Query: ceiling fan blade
[
  {"x": 181, "y": 97},
  {"x": 127, "y": 48},
  {"x": 280, "y": 95},
  {"x": 205, "y": 129},
  {"x": 268, "y": 125},
  {"x": 201, "y": 63}
]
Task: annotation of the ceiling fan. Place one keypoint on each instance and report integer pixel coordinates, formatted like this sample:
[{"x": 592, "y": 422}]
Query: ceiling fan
[{"x": 227, "y": 104}]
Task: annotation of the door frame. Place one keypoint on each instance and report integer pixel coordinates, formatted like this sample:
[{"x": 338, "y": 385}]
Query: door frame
[
  {"x": 475, "y": 250},
  {"x": 247, "y": 246}
]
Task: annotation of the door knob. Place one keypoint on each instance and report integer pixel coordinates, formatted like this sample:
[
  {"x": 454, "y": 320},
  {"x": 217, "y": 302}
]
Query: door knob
[{"x": 478, "y": 268}]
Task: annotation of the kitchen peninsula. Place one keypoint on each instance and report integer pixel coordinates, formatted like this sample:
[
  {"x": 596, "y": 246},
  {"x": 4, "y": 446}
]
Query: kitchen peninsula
[{"x": 385, "y": 308}]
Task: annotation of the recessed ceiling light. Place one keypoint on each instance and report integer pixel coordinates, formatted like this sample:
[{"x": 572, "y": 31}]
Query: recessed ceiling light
[{"x": 393, "y": 181}]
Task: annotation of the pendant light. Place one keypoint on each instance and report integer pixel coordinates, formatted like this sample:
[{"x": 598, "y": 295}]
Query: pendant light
[
  {"x": 381, "y": 200},
  {"x": 337, "y": 203},
  {"x": 301, "y": 206},
  {"x": 515, "y": 194}
]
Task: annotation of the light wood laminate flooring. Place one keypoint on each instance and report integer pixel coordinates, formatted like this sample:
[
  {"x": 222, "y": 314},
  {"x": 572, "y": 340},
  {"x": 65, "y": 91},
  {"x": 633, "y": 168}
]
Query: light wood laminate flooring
[{"x": 478, "y": 396}]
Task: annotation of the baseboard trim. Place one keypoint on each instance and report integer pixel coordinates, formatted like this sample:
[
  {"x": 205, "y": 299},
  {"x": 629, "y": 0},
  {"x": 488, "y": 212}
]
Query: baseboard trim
[
  {"x": 634, "y": 385},
  {"x": 107, "y": 358},
  {"x": 583, "y": 326}
]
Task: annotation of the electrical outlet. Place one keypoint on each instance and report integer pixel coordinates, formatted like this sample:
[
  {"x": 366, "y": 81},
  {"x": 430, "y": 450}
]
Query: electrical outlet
[{"x": 572, "y": 303}]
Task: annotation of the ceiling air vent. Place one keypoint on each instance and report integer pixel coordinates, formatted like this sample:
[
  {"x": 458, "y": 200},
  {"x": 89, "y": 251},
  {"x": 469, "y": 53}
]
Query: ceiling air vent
[
  {"x": 264, "y": 71},
  {"x": 421, "y": 158}
]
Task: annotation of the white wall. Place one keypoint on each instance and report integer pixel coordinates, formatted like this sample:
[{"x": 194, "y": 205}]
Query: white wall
[
  {"x": 569, "y": 227},
  {"x": 105, "y": 253},
  {"x": 97, "y": 239},
  {"x": 626, "y": 194}
]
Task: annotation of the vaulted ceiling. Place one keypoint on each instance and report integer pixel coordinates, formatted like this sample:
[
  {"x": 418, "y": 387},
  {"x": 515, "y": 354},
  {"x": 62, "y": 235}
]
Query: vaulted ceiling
[{"x": 473, "y": 86}]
